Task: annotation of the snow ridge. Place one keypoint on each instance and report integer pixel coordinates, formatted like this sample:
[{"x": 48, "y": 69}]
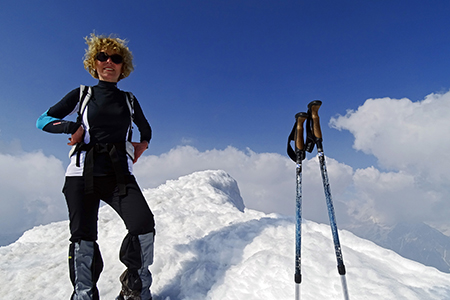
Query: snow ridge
[{"x": 209, "y": 246}]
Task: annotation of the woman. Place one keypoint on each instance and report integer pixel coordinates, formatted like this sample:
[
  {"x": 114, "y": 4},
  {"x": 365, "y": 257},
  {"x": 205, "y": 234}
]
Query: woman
[{"x": 101, "y": 169}]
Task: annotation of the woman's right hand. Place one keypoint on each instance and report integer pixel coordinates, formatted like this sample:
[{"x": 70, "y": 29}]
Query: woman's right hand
[{"x": 77, "y": 137}]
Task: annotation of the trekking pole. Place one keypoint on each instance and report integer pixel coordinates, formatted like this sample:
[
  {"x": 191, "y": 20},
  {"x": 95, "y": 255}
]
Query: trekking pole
[
  {"x": 314, "y": 133},
  {"x": 300, "y": 155}
]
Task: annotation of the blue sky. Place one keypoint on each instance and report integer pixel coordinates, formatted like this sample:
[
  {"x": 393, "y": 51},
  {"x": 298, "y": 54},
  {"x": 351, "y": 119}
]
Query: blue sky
[
  {"x": 219, "y": 73},
  {"x": 214, "y": 74}
]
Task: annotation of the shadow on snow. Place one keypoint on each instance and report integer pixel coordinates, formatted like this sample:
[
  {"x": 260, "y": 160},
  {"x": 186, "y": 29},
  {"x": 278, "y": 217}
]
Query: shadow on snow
[{"x": 214, "y": 254}]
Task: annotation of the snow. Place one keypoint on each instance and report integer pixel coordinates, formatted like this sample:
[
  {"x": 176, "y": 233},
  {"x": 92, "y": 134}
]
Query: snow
[{"x": 209, "y": 246}]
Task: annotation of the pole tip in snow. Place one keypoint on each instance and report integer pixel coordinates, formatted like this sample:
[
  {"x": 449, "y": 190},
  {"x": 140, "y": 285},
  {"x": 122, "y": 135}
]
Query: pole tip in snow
[
  {"x": 341, "y": 269},
  {"x": 298, "y": 278}
]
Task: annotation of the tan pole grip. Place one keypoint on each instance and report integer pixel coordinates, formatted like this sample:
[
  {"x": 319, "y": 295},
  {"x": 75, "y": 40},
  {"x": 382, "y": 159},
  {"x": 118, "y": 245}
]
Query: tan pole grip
[
  {"x": 314, "y": 109},
  {"x": 299, "y": 140}
]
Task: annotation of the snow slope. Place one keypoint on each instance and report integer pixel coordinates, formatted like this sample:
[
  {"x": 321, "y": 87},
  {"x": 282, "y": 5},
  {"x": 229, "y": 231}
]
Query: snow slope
[{"x": 209, "y": 246}]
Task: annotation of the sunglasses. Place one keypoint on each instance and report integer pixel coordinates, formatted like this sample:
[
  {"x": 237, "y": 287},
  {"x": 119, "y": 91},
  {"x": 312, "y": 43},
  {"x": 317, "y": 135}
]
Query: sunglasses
[{"x": 115, "y": 58}]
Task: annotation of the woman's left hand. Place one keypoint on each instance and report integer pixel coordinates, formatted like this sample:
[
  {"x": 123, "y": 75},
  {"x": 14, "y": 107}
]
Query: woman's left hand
[{"x": 139, "y": 148}]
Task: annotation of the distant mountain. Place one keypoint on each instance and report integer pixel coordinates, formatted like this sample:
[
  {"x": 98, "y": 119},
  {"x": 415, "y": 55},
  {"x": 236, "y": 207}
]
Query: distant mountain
[{"x": 416, "y": 241}]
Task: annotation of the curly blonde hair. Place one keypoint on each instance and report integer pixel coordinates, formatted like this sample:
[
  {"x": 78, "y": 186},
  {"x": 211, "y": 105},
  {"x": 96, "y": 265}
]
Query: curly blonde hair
[{"x": 107, "y": 43}]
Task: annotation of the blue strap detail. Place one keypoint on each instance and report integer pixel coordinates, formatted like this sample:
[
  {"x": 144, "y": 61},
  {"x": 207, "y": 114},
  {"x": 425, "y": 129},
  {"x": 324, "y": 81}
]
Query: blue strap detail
[{"x": 44, "y": 119}]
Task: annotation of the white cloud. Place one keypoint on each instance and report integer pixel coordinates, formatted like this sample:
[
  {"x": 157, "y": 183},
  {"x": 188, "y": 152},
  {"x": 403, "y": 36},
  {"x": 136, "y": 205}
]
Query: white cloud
[
  {"x": 410, "y": 139},
  {"x": 266, "y": 180},
  {"x": 31, "y": 186},
  {"x": 387, "y": 197},
  {"x": 403, "y": 135}
]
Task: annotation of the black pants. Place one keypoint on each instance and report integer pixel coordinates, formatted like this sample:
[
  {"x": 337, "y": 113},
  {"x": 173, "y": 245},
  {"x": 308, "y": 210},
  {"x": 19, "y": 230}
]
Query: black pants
[
  {"x": 85, "y": 262},
  {"x": 83, "y": 208}
]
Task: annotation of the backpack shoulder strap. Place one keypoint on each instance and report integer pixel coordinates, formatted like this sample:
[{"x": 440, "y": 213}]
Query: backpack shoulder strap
[
  {"x": 85, "y": 96},
  {"x": 130, "y": 102}
]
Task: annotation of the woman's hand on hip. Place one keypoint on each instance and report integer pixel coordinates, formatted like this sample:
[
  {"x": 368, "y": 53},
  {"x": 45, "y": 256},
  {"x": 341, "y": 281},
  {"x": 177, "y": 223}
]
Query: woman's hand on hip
[{"x": 139, "y": 148}]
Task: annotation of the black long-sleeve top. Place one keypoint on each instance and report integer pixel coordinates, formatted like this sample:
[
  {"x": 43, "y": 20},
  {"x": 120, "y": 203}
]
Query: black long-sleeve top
[{"x": 107, "y": 121}]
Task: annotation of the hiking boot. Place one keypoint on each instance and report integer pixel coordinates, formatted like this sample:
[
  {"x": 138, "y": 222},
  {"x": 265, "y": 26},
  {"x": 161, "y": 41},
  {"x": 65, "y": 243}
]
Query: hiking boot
[
  {"x": 131, "y": 286},
  {"x": 121, "y": 297}
]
